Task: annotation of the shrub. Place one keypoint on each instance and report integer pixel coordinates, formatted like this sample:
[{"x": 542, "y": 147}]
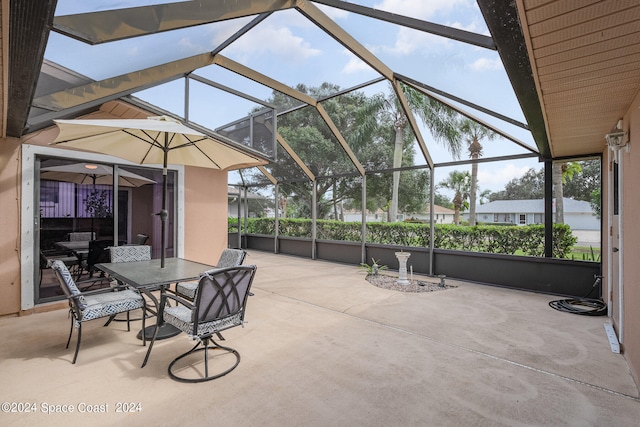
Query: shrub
[{"x": 497, "y": 239}]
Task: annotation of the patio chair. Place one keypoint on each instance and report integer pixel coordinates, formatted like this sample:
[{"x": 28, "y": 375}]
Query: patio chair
[
  {"x": 228, "y": 258},
  {"x": 220, "y": 304},
  {"x": 85, "y": 306},
  {"x": 81, "y": 236},
  {"x": 47, "y": 257},
  {"x": 98, "y": 253},
  {"x": 141, "y": 239},
  {"x": 130, "y": 253}
]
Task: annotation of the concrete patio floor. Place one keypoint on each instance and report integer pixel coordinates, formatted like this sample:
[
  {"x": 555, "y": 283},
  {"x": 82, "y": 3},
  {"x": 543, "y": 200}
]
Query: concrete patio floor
[{"x": 323, "y": 347}]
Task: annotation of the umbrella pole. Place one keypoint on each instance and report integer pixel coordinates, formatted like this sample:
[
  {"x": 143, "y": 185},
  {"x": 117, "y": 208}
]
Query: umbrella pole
[
  {"x": 93, "y": 213},
  {"x": 163, "y": 213}
]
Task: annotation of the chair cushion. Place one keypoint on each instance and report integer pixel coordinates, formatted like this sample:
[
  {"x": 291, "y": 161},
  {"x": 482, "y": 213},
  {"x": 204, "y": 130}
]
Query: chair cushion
[
  {"x": 130, "y": 253},
  {"x": 68, "y": 285},
  {"x": 108, "y": 303},
  {"x": 187, "y": 289},
  {"x": 180, "y": 317},
  {"x": 230, "y": 258},
  {"x": 81, "y": 236}
]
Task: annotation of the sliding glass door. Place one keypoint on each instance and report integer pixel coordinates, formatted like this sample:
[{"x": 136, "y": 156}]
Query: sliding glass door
[{"x": 86, "y": 206}]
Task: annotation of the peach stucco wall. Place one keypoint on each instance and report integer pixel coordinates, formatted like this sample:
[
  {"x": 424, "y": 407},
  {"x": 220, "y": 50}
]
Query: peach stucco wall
[
  {"x": 9, "y": 226},
  {"x": 631, "y": 241},
  {"x": 630, "y": 248},
  {"x": 205, "y": 214}
]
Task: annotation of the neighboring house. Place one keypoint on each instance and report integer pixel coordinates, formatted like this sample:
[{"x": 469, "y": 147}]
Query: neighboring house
[
  {"x": 352, "y": 215},
  {"x": 577, "y": 213},
  {"x": 442, "y": 215},
  {"x": 235, "y": 195}
]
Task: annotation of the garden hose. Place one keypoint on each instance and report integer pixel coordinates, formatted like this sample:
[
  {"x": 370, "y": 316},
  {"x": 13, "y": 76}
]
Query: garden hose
[{"x": 583, "y": 306}]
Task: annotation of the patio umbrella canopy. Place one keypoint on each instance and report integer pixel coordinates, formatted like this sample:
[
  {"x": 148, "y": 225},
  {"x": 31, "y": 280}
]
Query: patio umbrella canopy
[
  {"x": 155, "y": 140},
  {"x": 89, "y": 173}
]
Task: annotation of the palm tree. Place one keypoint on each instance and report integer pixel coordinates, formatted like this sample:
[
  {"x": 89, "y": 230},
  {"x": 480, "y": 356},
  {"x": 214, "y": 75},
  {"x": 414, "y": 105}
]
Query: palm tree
[
  {"x": 441, "y": 120},
  {"x": 562, "y": 172},
  {"x": 474, "y": 132},
  {"x": 485, "y": 196},
  {"x": 460, "y": 183}
]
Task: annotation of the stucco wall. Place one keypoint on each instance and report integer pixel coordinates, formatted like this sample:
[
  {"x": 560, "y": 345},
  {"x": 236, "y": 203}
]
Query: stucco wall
[
  {"x": 631, "y": 242},
  {"x": 9, "y": 226},
  {"x": 630, "y": 247},
  {"x": 205, "y": 210}
]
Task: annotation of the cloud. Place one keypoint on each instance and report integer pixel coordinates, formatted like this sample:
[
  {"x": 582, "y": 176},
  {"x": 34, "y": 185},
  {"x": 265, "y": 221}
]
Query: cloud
[
  {"x": 409, "y": 41},
  {"x": 332, "y": 12},
  {"x": 271, "y": 40},
  {"x": 421, "y": 9},
  {"x": 355, "y": 65},
  {"x": 485, "y": 64},
  {"x": 490, "y": 178}
]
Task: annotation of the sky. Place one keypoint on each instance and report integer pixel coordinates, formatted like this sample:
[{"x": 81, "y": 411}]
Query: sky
[{"x": 291, "y": 49}]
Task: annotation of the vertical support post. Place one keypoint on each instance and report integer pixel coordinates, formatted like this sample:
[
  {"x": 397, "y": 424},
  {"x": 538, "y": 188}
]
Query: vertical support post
[
  {"x": 276, "y": 230},
  {"x": 431, "y": 225},
  {"x": 242, "y": 216},
  {"x": 548, "y": 208},
  {"x": 363, "y": 248},
  {"x": 186, "y": 98},
  {"x": 314, "y": 216}
]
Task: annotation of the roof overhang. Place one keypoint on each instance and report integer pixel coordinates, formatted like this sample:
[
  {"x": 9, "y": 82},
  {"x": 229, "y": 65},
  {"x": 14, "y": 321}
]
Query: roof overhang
[{"x": 575, "y": 67}]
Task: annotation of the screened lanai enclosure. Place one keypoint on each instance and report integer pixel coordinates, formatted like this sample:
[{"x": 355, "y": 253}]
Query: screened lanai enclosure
[{"x": 389, "y": 126}]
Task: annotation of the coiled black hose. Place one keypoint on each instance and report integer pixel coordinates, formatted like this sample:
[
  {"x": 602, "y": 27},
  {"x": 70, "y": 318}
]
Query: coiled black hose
[{"x": 583, "y": 306}]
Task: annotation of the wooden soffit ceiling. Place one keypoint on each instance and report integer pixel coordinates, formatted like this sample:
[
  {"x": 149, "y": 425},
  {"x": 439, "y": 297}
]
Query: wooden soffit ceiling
[{"x": 585, "y": 58}]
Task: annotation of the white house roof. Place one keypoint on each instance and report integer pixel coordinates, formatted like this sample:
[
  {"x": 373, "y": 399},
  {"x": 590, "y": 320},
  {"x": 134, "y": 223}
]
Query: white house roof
[
  {"x": 440, "y": 210},
  {"x": 532, "y": 206},
  {"x": 234, "y": 192}
]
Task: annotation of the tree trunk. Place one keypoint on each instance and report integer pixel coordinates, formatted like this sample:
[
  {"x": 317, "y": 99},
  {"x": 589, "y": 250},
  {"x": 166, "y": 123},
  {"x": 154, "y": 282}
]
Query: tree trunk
[
  {"x": 335, "y": 204},
  {"x": 558, "y": 193},
  {"x": 474, "y": 190},
  {"x": 283, "y": 206},
  {"x": 397, "y": 162},
  {"x": 457, "y": 206},
  {"x": 475, "y": 149}
]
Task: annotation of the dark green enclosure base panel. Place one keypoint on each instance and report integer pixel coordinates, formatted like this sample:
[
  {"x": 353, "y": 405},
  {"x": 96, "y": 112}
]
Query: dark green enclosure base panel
[{"x": 544, "y": 275}]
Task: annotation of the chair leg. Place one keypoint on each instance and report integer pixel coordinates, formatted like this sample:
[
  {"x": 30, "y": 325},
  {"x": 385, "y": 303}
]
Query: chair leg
[
  {"x": 70, "y": 331},
  {"x": 75, "y": 356},
  {"x": 111, "y": 319},
  {"x": 153, "y": 339},
  {"x": 205, "y": 347},
  {"x": 144, "y": 336}
]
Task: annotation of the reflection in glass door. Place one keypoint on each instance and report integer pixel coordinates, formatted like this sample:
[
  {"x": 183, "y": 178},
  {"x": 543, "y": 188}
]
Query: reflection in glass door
[{"x": 79, "y": 215}]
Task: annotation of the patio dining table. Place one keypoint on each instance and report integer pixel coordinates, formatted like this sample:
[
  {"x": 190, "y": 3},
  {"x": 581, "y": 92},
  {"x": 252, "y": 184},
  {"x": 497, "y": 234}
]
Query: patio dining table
[
  {"x": 148, "y": 277},
  {"x": 77, "y": 245}
]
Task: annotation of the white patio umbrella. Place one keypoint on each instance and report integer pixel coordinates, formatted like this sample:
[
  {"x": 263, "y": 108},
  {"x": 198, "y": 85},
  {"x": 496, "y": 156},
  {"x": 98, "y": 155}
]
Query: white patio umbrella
[
  {"x": 90, "y": 173},
  {"x": 156, "y": 140}
]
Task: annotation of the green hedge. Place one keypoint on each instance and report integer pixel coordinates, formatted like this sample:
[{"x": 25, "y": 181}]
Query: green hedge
[{"x": 522, "y": 240}]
